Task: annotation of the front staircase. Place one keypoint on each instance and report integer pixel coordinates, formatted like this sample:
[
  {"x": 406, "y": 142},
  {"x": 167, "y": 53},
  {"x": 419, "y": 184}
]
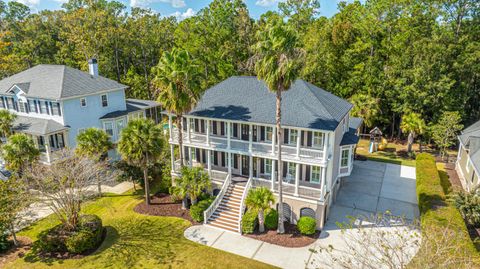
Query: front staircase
[{"x": 226, "y": 215}]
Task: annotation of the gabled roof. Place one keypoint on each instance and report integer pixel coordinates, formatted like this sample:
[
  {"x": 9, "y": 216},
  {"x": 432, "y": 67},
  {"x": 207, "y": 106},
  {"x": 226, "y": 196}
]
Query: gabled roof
[
  {"x": 248, "y": 99},
  {"x": 57, "y": 82},
  {"x": 470, "y": 138},
  {"x": 36, "y": 126}
]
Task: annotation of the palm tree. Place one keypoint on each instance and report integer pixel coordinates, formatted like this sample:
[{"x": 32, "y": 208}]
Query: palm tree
[
  {"x": 6, "y": 122},
  {"x": 260, "y": 199},
  {"x": 141, "y": 145},
  {"x": 95, "y": 144},
  {"x": 177, "y": 79},
  {"x": 366, "y": 107},
  {"x": 19, "y": 151},
  {"x": 193, "y": 182},
  {"x": 278, "y": 63},
  {"x": 413, "y": 124}
]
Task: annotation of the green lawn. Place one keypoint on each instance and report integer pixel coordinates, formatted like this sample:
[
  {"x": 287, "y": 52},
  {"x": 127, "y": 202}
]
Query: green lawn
[
  {"x": 137, "y": 241},
  {"x": 389, "y": 155}
]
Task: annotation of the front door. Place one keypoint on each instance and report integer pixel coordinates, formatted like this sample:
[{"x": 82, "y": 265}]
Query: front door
[{"x": 245, "y": 168}]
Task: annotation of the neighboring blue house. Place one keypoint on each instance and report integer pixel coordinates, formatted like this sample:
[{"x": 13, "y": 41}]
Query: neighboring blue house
[{"x": 54, "y": 103}]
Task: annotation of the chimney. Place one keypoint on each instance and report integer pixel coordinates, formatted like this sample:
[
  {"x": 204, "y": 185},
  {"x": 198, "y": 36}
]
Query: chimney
[{"x": 93, "y": 67}]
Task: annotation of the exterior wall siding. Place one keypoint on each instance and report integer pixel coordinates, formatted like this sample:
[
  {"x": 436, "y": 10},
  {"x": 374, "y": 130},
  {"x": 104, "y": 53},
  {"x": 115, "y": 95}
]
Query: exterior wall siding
[
  {"x": 78, "y": 117},
  {"x": 466, "y": 174}
]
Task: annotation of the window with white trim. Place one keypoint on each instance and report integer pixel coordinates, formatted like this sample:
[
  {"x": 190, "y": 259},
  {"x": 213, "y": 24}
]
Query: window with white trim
[
  {"x": 83, "y": 102},
  {"x": 318, "y": 138},
  {"x": 104, "y": 100},
  {"x": 268, "y": 166},
  {"x": 108, "y": 127},
  {"x": 22, "y": 106},
  {"x": 316, "y": 173},
  {"x": 344, "y": 160},
  {"x": 292, "y": 136},
  {"x": 268, "y": 133},
  {"x": 291, "y": 169}
]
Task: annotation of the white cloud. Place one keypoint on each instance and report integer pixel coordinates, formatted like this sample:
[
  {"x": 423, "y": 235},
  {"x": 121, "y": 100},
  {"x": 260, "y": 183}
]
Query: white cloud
[
  {"x": 29, "y": 3},
  {"x": 145, "y": 3},
  {"x": 187, "y": 14},
  {"x": 266, "y": 3}
]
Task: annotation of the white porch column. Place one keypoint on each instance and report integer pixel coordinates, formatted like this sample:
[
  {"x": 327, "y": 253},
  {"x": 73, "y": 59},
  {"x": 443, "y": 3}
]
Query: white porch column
[
  {"x": 228, "y": 135},
  {"x": 324, "y": 175},
  {"x": 325, "y": 146},
  {"x": 250, "y": 137},
  {"x": 229, "y": 164},
  {"x": 250, "y": 167},
  {"x": 47, "y": 148},
  {"x": 209, "y": 162},
  {"x": 208, "y": 131},
  {"x": 172, "y": 156},
  {"x": 274, "y": 135},
  {"x": 170, "y": 127},
  {"x": 299, "y": 132},
  {"x": 273, "y": 175},
  {"x": 188, "y": 130},
  {"x": 297, "y": 178}
]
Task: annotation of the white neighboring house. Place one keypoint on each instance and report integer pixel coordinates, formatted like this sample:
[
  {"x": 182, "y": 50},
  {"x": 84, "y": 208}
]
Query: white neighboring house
[
  {"x": 54, "y": 103},
  {"x": 231, "y": 133},
  {"x": 468, "y": 159}
]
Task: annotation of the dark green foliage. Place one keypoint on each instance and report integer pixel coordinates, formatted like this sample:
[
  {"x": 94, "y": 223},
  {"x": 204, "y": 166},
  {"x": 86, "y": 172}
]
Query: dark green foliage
[
  {"x": 57, "y": 239},
  {"x": 307, "y": 225},
  {"x": 271, "y": 219},
  {"x": 196, "y": 211},
  {"x": 249, "y": 221},
  {"x": 469, "y": 206},
  {"x": 4, "y": 242}
]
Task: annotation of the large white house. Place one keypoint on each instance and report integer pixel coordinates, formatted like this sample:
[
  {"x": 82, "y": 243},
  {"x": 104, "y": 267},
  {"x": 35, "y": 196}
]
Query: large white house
[
  {"x": 54, "y": 103},
  {"x": 468, "y": 159},
  {"x": 231, "y": 133}
]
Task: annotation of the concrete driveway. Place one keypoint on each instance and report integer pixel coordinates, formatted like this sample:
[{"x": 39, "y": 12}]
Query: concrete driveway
[{"x": 375, "y": 187}]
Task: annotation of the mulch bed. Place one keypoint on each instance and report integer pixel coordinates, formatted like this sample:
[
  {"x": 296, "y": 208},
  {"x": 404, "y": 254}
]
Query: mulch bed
[
  {"x": 291, "y": 238},
  {"x": 161, "y": 204},
  {"x": 16, "y": 252},
  {"x": 453, "y": 176}
]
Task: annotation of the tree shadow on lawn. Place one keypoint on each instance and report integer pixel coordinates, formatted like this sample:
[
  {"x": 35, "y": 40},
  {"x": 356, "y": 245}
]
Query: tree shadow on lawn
[{"x": 129, "y": 242}]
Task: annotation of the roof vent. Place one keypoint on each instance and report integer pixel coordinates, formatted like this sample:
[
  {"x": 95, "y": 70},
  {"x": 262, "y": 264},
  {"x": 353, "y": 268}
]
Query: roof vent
[{"x": 93, "y": 67}]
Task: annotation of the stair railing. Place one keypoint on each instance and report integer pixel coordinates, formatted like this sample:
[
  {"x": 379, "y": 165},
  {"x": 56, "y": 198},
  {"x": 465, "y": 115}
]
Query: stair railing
[
  {"x": 208, "y": 213},
  {"x": 242, "y": 204}
]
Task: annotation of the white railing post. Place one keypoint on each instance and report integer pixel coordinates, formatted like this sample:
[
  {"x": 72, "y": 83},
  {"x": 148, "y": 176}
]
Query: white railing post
[
  {"x": 229, "y": 163},
  {"x": 209, "y": 162},
  {"x": 209, "y": 211},
  {"x": 325, "y": 145},
  {"x": 298, "y": 142},
  {"x": 242, "y": 203},
  {"x": 273, "y": 175},
  {"x": 250, "y": 166}
]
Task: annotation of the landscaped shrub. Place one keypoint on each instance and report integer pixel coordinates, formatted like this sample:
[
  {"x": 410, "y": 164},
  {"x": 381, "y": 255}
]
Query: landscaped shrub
[
  {"x": 196, "y": 211},
  {"x": 307, "y": 225},
  {"x": 271, "y": 219},
  {"x": 469, "y": 206},
  {"x": 249, "y": 222},
  {"x": 4, "y": 242},
  {"x": 57, "y": 239},
  {"x": 429, "y": 190}
]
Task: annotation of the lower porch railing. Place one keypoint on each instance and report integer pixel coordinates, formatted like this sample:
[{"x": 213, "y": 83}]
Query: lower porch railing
[
  {"x": 242, "y": 204},
  {"x": 208, "y": 213}
]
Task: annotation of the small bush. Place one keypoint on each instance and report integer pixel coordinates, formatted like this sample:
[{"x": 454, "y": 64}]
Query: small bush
[
  {"x": 196, "y": 211},
  {"x": 307, "y": 225},
  {"x": 5, "y": 244},
  {"x": 81, "y": 241},
  {"x": 469, "y": 206},
  {"x": 271, "y": 219},
  {"x": 249, "y": 222}
]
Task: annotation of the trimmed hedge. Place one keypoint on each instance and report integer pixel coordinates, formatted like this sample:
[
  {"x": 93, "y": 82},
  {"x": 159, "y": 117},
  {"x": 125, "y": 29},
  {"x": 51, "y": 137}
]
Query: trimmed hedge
[
  {"x": 196, "y": 211},
  {"x": 249, "y": 222},
  {"x": 436, "y": 213},
  {"x": 271, "y": 219},
  {"x": 87, "y": 237},
  {"x": 307, "y": 225}
]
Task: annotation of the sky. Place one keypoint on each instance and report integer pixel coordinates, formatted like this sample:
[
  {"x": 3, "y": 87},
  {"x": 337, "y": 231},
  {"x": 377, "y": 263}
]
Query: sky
[{"x": 186, "y": 8}]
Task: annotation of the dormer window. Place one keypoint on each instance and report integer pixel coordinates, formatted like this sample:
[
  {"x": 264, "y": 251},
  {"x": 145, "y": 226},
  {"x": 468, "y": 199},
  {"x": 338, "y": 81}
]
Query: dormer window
[
  {"x": 83, "y": 102},
  {"x": 104, "y": 100},
  {"x": 23, "y": 106}
]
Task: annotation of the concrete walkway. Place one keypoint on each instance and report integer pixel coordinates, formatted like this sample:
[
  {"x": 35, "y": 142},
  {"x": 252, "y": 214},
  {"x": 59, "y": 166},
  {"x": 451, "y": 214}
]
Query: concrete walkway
[
  {"x": 372, "y": 188},
  {"x": 40, "y": 210},
  {"x": 247, "y": 247}
]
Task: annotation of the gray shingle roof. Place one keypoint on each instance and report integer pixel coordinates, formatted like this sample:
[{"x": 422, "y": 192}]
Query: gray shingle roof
[
  {"x": 57, "y": 82},
  {"x": 470, "y": 138},
  {"x": 132, "y": 106},
  {"x": 355, "y": 122},
  {"x": 350, "y": 137},
  {"x": 36, "y": 126},
  {"x": 248, "y": 99}
]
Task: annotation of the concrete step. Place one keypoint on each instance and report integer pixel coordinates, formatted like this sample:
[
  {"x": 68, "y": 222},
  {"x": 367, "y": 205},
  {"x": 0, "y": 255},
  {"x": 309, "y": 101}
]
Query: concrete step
[{"x": 218, "y": 225}]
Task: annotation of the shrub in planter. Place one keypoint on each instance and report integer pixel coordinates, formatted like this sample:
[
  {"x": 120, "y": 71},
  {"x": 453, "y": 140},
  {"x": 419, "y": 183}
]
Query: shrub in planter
[
  {"x": 196, "y": 211},
  {"x": 307, "y": 225},
  {"x": 249, "y": 222},
  {"x": 271, "y": 219}
]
